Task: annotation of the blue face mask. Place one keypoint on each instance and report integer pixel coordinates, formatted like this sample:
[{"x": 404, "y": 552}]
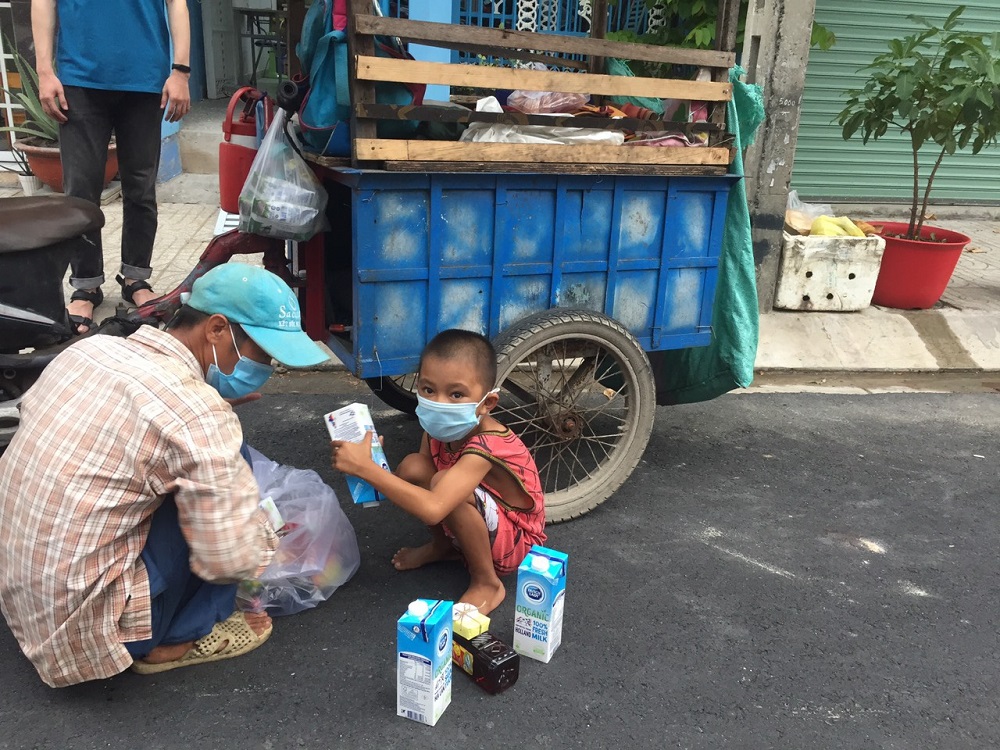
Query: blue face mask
[
  {"x": 448, "y": 422},
  {"x": 245, "y": 378}
]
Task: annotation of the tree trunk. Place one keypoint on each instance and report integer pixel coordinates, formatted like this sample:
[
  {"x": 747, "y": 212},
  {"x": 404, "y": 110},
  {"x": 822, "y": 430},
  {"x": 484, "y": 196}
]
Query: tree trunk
[
  {"x": 927, "y": 194},
  {"x": 916, "y": 186}
]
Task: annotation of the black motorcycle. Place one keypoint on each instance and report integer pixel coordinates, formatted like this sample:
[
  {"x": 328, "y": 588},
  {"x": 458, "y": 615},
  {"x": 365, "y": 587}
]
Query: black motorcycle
[{"x": 38, "y": 237}]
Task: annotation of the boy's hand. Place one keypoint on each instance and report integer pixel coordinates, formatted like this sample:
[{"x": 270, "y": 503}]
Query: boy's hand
[{"x": 352, "y": 458}]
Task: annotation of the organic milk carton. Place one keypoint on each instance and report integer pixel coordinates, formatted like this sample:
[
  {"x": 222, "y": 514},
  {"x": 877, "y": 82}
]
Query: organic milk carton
[
  {"x": 350, "y": 424},
  {"x": 423, "y": 666},
  {"x": 541, "y": 591}
]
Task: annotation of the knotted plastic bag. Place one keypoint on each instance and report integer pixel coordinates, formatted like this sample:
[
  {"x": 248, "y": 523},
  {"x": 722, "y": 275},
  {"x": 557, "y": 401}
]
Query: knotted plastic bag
[
  {"x": 281, "y": 197},
  {"x": 317, "y": 551}
]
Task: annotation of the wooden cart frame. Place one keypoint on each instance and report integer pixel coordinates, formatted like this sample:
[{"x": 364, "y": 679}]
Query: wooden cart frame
[{"x": 424, "y": 155}]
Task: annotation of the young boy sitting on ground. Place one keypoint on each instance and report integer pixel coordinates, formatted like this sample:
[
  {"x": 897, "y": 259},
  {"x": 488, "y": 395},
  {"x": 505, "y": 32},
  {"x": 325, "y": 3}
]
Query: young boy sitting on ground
[{"x": 473, "y": 482}]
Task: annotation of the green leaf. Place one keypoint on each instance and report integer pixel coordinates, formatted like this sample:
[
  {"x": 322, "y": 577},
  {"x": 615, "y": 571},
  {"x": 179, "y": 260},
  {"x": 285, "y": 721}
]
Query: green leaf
[
  {"x": 953, "y": 17},
  {"x": 905, "y": 85}
]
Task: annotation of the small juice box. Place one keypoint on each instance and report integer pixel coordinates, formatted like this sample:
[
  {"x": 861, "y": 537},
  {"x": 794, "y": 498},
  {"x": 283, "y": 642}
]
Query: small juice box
[
  {"x": 423, "y": 661},
  {"x": 350, "y": 424},
  {"x": 538, "y": 611},
  {"x": 467, "y": 621}
]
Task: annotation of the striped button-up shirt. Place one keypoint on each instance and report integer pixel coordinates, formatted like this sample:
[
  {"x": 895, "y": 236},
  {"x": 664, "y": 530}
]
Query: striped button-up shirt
[{"x": 112, "y": 426}]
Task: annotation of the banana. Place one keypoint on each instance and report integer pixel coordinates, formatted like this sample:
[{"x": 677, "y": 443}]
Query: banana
[
  {"x": 827, "y": 226},
  {"x": 849, "y": 226}
]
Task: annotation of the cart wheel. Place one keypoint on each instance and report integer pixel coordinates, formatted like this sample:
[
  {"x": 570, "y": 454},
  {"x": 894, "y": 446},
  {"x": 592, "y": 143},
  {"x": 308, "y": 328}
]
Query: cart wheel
[
  {"x": 578, "y": 389},
  {"x": 397, "y": 392}
]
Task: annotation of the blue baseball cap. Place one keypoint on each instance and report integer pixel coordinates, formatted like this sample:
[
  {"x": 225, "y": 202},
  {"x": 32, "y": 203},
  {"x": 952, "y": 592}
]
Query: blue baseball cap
[{"x": 263, "y": 304}]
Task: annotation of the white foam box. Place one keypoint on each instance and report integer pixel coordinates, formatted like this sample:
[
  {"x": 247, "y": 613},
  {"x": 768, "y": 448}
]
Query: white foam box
[{"x": 827, "y": 274}]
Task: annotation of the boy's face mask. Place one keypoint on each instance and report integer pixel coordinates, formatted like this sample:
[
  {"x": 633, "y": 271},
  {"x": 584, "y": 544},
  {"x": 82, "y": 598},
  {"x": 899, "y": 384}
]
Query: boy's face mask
[
  {"x": 448, "y": 422},
  {"x": 245, "y": 378}
]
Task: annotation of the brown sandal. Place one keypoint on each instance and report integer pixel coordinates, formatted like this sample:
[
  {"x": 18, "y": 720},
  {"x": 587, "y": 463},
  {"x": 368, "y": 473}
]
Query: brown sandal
[{"x": 235, "y": 629}]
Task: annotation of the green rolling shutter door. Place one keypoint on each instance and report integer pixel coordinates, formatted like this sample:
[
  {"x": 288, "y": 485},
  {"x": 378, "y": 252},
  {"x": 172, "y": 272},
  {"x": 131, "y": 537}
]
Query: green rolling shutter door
[{"x": 827, "y": 166}]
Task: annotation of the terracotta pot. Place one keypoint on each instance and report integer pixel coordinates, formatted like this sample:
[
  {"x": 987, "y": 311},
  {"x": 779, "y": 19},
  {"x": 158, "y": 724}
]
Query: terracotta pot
[
  {"x": 43, "y": 159},
  {"x": 915, "y": 273}
]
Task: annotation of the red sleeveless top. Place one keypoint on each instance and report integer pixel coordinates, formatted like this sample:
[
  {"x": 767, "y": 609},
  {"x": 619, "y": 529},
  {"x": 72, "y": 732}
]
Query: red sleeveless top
[{"x": 517, "y": 528}]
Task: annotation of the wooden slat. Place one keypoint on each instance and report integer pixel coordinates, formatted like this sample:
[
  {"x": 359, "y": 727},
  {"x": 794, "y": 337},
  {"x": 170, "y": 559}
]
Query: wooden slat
[
  {"x": 376, "y": 149},
  {"x": 362, "y": 91},
  {"x": 414, "y": 71},
  {"x": 330, "y": 162},
  {"x": 433, "y": 113},
  {"x": 511, "y": 54},
  {"x": 726, "y": 30},
  {"x": 426, "y": 31},
  {"x": 502, "y": 167}
]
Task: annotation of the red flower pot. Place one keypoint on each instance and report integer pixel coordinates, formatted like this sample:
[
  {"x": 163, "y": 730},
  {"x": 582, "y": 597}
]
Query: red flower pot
[
  {"x": 915, "y": 273},
  {"x": 44, "y": 161}
]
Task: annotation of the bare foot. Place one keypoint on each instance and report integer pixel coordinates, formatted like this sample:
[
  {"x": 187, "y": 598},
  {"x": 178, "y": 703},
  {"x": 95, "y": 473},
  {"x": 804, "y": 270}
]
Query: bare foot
[
  {"x": 486, "y": 596},
  {"x": 409, "y": 558},
  {"x": 258, "y": 622}
]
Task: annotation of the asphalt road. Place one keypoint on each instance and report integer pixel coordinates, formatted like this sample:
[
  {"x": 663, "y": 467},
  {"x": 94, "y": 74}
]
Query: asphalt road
[{"x": 781, "y": 571}]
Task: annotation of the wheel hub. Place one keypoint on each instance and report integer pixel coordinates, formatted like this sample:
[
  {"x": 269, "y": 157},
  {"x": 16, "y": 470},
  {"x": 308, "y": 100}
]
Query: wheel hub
[{"x": 567, "y": 425}]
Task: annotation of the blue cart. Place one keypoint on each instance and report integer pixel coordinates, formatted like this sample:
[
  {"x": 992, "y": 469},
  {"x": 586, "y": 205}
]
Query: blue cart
[{"x": 574, "y": 278}]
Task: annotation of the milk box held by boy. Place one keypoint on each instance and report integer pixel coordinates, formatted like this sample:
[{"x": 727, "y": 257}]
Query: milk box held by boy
[
  {"x": 538, "y": 611},
  {"x": 423, "y": 661},
  {"x": 350, "y": 424}
]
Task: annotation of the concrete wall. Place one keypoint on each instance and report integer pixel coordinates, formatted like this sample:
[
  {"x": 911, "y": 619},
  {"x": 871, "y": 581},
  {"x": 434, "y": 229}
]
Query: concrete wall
[{"x": 775, "y": 54}]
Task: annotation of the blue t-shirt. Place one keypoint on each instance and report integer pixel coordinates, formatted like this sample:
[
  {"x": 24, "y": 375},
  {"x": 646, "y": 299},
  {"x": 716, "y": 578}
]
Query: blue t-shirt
[{"x": 115, "y": 45}]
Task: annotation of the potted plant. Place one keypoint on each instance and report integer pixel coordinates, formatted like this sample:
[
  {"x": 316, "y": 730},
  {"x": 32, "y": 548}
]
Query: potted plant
[
  {"x": 39, "y": 133},
  {"x": 30, "y": 184},
  {"x": 940, "y": 87}
]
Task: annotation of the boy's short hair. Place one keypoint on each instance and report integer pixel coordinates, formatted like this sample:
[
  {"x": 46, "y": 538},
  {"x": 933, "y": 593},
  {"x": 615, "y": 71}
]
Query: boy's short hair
[{"x": 455, "y": 342}]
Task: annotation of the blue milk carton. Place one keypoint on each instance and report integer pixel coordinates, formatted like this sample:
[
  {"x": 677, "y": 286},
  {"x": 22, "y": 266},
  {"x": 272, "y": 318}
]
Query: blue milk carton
[
  {"x": 423, "y": 661},
  {"x": 538, "y": 612},
  {"x": 350, "y": 424}
]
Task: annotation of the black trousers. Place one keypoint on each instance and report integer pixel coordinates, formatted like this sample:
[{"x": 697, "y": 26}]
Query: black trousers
[{"x": 134, "y": 117}]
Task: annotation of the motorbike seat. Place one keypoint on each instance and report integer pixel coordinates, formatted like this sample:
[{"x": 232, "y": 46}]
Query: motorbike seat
[{"x": 32, "y": 223}]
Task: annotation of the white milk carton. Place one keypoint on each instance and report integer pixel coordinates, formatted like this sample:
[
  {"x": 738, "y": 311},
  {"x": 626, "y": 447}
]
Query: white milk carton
[
  {"x": 423, "y": 661},
  {"x": 350, "y": 424},
  {"x": 538, "y": 612}
]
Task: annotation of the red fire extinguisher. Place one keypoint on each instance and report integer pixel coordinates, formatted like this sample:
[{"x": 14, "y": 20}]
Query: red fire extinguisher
[{"x": 239, "y": 147}]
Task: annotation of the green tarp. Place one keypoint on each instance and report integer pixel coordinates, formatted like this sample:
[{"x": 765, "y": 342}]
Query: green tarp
[{"x": 688, "y": 375}]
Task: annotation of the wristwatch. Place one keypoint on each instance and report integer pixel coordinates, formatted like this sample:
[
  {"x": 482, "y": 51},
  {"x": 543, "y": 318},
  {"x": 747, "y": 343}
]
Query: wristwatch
[{"x": 181, "y": 68}]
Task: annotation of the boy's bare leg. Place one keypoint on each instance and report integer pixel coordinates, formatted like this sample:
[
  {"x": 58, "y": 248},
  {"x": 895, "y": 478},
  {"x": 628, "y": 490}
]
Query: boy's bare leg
[
  {"x": 485, "y": 590},
  {"x": 419, "y": 469},
  {"x": 258, "y": 622}
]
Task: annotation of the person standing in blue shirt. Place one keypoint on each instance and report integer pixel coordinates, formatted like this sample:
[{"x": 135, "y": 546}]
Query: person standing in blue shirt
[{"x": 105, "y": 66}]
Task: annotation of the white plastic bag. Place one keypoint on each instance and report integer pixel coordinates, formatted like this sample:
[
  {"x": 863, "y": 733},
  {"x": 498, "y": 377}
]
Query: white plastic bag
[
  {"x": 812, "y": 210},
  {"x": 317, "y": 552},
  {"x": 281, "y": 197},
  {"x": 799, "y": 216},
  {"x": 483, "y": 132}
]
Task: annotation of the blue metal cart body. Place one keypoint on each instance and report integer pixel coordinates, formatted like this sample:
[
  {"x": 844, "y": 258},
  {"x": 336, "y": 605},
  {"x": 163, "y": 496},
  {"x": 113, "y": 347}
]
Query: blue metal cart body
[{"x": 479, "y": 251}]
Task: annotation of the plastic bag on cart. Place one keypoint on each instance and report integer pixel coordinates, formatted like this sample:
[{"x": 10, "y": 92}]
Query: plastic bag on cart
[
  {"x": 543, "y": 102},
  {"x": 317, "y": 551},
  {"x": 484, "y": 132},
  {"x": 281, "y": 197}
]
